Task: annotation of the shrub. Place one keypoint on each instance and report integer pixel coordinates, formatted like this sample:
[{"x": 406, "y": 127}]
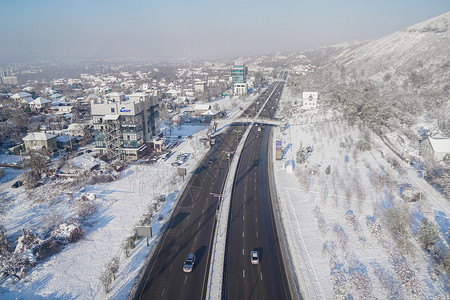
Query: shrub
[
  {"x": 76, "y": 234},
  {"x": 46, "y": 249},
  {"x": 427, "y": 234}
]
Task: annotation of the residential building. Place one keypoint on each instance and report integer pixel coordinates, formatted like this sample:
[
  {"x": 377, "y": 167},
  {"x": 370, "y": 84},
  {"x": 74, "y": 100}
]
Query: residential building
[
  {"x": 39, "y": 141},
  {"x": 200, "y": 86},
  {"x": 20, "y": 96},
  {"x": 39, "y": 104},
  {"x": 310, "y": 100},
  {"x": 435, "y": 148},
  {"x": 9, "y": 80},
  {"x": 125, "y": 128},
  {"x": 239, "y": 79}
]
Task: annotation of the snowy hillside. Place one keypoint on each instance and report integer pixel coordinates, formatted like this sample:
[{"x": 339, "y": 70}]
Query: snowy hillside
[
  {"x": 351, "y": 230},
  {"x": 420, "y": 52}
]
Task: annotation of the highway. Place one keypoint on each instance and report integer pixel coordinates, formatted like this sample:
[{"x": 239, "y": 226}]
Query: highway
[
  {"x": 191, "y": 230},
  {"x": 251, "y": 224},
  {"x": 191, "y": 227}
]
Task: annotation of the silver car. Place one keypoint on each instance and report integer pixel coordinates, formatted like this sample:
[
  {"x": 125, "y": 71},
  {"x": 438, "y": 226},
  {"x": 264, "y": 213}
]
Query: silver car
[{"x": 189, "y": 263}]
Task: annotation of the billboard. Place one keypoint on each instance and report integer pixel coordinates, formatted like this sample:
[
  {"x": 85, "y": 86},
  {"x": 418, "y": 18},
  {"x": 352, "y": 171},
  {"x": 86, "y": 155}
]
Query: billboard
[
  {"x": 144, "y": 231},
  {"x": 279, "y": 150}
]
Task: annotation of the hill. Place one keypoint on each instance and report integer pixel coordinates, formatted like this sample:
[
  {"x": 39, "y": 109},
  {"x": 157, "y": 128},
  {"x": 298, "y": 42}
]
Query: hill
[{"x": 415, "y": 58}]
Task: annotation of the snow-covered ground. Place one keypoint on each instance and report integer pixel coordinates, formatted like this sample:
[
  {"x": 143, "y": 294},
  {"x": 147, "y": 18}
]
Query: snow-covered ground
[
  {"x": 332, "y": 209},
  {"x": 74, "y": 272}
]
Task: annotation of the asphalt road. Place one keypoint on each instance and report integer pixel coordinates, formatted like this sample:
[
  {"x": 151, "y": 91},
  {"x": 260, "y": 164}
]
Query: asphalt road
[
  {"x": 191, "y": 229},
  {"x": 192, "y": 225},
  {"x": 251, "y": 225}
]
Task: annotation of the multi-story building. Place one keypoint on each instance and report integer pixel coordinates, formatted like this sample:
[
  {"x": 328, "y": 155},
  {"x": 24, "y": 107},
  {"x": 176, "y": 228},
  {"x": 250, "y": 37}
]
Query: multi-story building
[
  {"x": 200, "y": 86},
  {"x": 239, "y": 79},
  {"x": 126, "y": 128}
]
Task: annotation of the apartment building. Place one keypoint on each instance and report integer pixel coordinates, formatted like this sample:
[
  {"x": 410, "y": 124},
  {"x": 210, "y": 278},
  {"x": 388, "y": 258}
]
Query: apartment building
[
  {"x": 239, "y": 79},
  {"x": 126, "y": 127}
]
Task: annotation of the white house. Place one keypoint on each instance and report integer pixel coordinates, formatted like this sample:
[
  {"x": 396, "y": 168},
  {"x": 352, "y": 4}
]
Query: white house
[
  {"x": 172, "y": 93},
  {"x": 310, "y": 100},
  {"x": 435, "y": 148},
  {"x": 39, "y": 103},
  {"x": 20, "y": 96},
  {"x": 201, "y": 108}
]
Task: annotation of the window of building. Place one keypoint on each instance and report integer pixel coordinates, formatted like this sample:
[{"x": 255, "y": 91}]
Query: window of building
[{"x": 112, "y": 109}]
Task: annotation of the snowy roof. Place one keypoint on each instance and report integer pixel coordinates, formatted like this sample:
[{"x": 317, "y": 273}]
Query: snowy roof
[
  {"x": 20, "y": 95},
  {"x": 210, "y": 112},
  {"x": 139, "y": 94},
  {"x": 27, "y": 100},
  {"x": 314, "y": 95},
  {"x": 76, "y": 126},
  {"x": 64, "y": 138},
  {"x": 85, "y": 161},
  {"x": 38, "y": 136},
  {"x": 440, "y": 143},
  {"x": 115, "y": 94},
  {"x": 202, "y": 107},
  {"x": 40, "y": 100}
]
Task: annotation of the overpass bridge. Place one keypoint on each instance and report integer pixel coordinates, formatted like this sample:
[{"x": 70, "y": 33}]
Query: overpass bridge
[{"x": 224, "y": 122}]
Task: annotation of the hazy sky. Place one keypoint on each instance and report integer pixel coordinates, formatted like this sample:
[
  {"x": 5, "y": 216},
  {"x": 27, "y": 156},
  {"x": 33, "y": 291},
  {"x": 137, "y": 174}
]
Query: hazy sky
[{"x": 197, "y": 28}]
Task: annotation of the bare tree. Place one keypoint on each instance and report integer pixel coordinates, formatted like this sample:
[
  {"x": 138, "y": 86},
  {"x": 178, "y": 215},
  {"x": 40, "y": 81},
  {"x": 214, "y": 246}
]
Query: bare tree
[{"x": 106, "y": 280}]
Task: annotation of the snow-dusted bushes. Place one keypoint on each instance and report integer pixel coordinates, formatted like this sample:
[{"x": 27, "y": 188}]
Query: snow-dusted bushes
[
  {"x": 109, "y": 274},
  {"x": 86, "y": 206},
  {"x": 31, "y": 249},
  {"x": 397, "y": 219},
  {"x": 427, "y": 234},
  {"x": 405, "y": 274},
  {"x": 318, "y": 215},
  {"x": 439, "y": 176}
]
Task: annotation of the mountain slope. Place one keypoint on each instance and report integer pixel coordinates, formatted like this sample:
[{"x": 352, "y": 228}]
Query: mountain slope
[{"x": 419, "y": 55}]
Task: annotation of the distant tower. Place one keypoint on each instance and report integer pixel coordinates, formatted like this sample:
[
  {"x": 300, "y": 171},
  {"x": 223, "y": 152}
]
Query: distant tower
[{"x": 239, "y": 79}]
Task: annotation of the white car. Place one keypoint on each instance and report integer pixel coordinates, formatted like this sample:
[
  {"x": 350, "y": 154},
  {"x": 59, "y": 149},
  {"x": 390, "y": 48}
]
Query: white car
[
  {"x": 189, "y": 263},
  {"x": 254, "y": 257}
]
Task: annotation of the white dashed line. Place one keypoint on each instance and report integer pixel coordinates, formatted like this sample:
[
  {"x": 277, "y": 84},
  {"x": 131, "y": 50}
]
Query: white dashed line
[{"x": 243, "y": 273}]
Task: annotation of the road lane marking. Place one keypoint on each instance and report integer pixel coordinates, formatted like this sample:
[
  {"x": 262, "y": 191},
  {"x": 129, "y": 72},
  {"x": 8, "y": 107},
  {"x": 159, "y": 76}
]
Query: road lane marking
[
  {"x": 260, "y": 275},
  {"x": 242, "y": 234},
  {"x": 243, "y": 273},
  {"x": 199, "y": 222},
  {"x": 203, "y": 211},
  {"x": 185, "y": 279},
  {"x": 257, "y": 235},
  {"x": 257, "y": 219},
  {"x": 170, "y": 269},
  {"x": 162, "y": 294},
  {"x": 242, "y": 251},
  {"x": 243, "y": 218}
]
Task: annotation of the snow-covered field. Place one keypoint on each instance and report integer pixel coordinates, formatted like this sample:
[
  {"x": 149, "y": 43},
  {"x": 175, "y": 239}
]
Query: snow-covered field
[
  {"x": 334, "y": 206},
  {"x": 74, "y": 272}
]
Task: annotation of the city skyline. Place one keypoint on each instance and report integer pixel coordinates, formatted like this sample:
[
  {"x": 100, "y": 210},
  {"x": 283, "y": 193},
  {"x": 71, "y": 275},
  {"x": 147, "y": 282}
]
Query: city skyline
[{"x": 197, "y": 28}]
